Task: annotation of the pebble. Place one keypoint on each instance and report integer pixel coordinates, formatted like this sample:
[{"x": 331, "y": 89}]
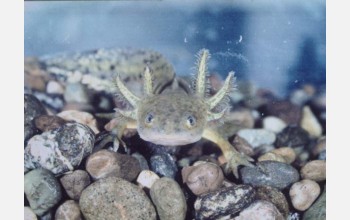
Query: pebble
[
  {"x": 318, "y": 210},
  {"x": 29, "y": 214},
  {"x": 287, "y": 153},
  {"x": 274, "y": 196},
  {"x": 284, "y": 110},
  {"x": 273, "y": 124},
  {"x": 292, "y": 136},
  {"x": 270, "y": 173},
  {"x": 169, "y": 199},
  {"x": 32, "y": 108},
  {"x": 258, "y": 210},
  {"x": 76, "y": 93},
  {"x": 320, "y": 146},
  {"x": 42, "y": 190},
  {"x": 147, "y": 178},
  {"x": 202, "y": 178},
  {"x": 164, "y": 165},
  {"x": 54, "y": 87},
  {"x": 105, "y": 163},
  {"x": 263, "y": 149},
  {"x": 257, "y": 137},
  {"x": 142, "y": 161},
  {"x": 74, "y": 183},
  {"x": 223, "y": 202},
  {"x": 314, "y": 170},
  {"x": 69, "y": 210},
  {"x": 80, "y": 117},
  {"x": 59, "y": 150},
  {"x": 48, "y": 122},
  {"x": 114, "y": 198},
  {"x": 270, "y": 156},
  {"x": 310, "y": 123},
  {"x": 303, "y": 194},
  {"x": 242, "y": 146}
]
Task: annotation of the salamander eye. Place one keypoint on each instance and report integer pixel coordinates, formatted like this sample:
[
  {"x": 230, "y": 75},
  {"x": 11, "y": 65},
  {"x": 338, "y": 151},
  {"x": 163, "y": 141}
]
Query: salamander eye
[
  {"x": 149, "y": 118},
  {"x": 191, "y": 121}
]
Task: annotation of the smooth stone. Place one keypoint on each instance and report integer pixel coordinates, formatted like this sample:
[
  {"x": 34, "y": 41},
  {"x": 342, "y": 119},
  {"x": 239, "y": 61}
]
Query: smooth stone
[
  {"x": 292, "y": 136},
  {"x": 29, "y": 214},
  {"x": 314, "y": 170},
  {"x": 48, "y": 122},
  {"x": 257, "y": 137},
  {"x": 54, "y": 87},
  {"x": 274, "y": 196},
  {"x": 270, "y": 173},
  {"x": 32, "y": 108},
  {"x": 59, "y": 150},
  {"x": 163, "y": 165},
  {"x": 318, "y": 210},
  {"x": 259, "y": 210},
  {"x": 69, "y": 210},
  {"x": 74, "y": 183},
  {"x": 80, "y": 117},
  {"x": 114, "y": 198},
  {"x": 42, "y": 190},
  {"x": 303, "y": 194},
  {"x": 169, "y": 199},
  {"x": 147, "y": 178},
  {"x": 273, "y": 124},
  {"x": 105, "y": 163},
  {"x": 242, "y": 146},
  {"x": 76, "y": 92},
  {"x": 287, "y": 153},
  {"x": 223, "y": 202},
  {"x": 270, "y": 156},
  {"x": 202, "y": 178},
  {"x": 310, "y": 123}
]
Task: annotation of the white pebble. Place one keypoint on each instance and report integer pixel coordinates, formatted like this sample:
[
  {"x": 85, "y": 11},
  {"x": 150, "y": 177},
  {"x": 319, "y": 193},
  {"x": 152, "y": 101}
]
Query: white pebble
[
  {"x": 274, "y": 124},
  {"x": 54, "y": 87},
  {"x": 304, "y": 193},
  {"x": 146, "y": 178},
  {"x": 310, "y": 123}
]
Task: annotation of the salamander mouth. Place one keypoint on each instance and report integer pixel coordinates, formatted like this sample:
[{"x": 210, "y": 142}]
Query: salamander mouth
[{"x": 170, "y": 140}]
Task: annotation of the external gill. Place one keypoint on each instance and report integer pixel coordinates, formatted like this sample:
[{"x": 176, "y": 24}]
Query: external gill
[{"x": 200, "y": 81}]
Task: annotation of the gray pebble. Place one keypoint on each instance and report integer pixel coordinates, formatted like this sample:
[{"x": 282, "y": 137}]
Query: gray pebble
[
  {"x": 224, "y": 202},
  {"x": 42, "y": 190},
  {"x": 163, "y": 165},
  {"x": 114, "y": 198},
  {"x": 59, "y": 150},
  {"x": 318, "y": 210},
  {"x": 74, "y": 183},
  {"x": 169, "y": 199},
  {"x": 69, "y": 210},
  {"x": 260, "y": 209},
  {"x": 270, "y": 173},
  {"x": 257, "y": 137},
  {"x": 292, "y": 136}
]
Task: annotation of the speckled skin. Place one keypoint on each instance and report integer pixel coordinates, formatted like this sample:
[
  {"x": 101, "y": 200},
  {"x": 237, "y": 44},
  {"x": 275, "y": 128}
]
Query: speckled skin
[{"x": 179, "y": 114}]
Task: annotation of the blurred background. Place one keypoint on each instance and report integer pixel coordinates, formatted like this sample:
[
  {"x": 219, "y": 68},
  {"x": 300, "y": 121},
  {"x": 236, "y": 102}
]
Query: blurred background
[{"x": 278, "y": 45}]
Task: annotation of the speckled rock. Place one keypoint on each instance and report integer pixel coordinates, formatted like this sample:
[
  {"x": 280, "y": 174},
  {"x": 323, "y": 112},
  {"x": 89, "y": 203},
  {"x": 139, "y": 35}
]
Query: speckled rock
[
  {"x": 147, "y": 178},
  {"x": 114, "y": 198},
  {"x": 242, "y": 146},
  {"x": 48, "y": 122},
  {"x": 292, "y": 136},
  {"x": 202, "y": 178},
  {"x": 223, "y": 202},
  {"x": 257, "y": 137},
  {"x": 272, "y": 157},
  {"x": 69, "y": 210},
  {"x": 287, "y": 153},
  {"x": 74, "y": 183},
  {"x": 80, "y": 117},
  {"x": 163, "y": 165},
  {"x": 273, "y": 124},
  {"x": 104, "y": 163},
  {"x": 270, "y": 173},
  {"x": 274, "y": 196},
  {"x": 259, "y": 210},
  {"x": 169, "y": 199},
  {"x": 314, "y": 170},
  {"x": 303, "y": 194},
  {"x": 32, "y": 108},
  {"x": 318, "y": 210},
  {"x": 59, "y": 150},
  {"x": 42, "y": 190},
  {"x": 29, "y": 214},
  {"x": 310, "y": 123}
]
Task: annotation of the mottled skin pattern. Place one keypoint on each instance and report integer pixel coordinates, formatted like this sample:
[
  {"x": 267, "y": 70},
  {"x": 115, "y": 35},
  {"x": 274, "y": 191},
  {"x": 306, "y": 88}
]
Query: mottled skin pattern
[{"x": 175, "y": 116}]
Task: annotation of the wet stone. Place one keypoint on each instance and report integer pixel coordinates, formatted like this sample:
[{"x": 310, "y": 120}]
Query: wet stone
[
  {"x": 270, "y": 173},
  {"x": 114, "y": 198},
  {"x": 292, "y": 136},
  {"x": 169, "y": 199},
  {"x": 69, "y": 210},
  {"x": 74, "y": 183},
  {"x": 42, "y": 190},
  {"x": 59, "y": 150},
  {"x": 274, "y": 196},
  {"x": 32, "y": 108},
  {"x": 48, "y": 122},
  {"x": 314, "y": 170},
  {"x": 318, "y": 210},
  {"x": 258, "y": 210},
  {"x": 224, "y": 202},
  {"x": 163, "y": 165},
  {"x": 257, "y": 137},
  {"x": 303, "y": 194}
]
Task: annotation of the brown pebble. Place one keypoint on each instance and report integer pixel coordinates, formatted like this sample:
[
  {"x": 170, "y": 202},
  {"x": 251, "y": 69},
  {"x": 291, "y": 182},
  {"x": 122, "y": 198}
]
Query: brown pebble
[
  {"x": 242, "y": 146},
  {"x": 314, "y": 170},
  {"x": 274, "y": 196},
  {"x": 74, "y": 183},
  {"x": 304, "y": 193},
  {"x": 287, "y": 153},
  {"x": 284, "y": 110},
  {"x": 69, "y": 210},
  {"x": 272, "y": 157},
  {"x": 80, "y": 117},
  {"x": 202, "y": 178},
  {"x": 48, "y": 122}
]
